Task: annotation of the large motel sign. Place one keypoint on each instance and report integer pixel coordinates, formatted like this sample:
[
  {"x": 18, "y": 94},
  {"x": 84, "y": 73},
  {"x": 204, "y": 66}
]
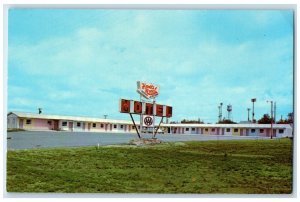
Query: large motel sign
[{"x": 146, "y": 110}]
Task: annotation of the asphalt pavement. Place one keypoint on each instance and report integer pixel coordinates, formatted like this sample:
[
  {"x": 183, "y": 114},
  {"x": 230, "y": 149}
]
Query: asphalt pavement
[{"x": 43, "y": 139}]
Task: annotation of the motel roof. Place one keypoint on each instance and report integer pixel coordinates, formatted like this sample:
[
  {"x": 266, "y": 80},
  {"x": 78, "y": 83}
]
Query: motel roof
[
  {"x": 115, "y": 121},
  {"x": 238, "y": 125},
  {"x": 71, "y": 118}
]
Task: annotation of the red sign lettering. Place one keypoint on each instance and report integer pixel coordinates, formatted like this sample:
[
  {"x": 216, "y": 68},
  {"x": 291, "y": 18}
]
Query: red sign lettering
[
  {"x": 149, "y": 109},
  {"x": 137, "y": 107},
  {"x": 150, "y": 89},
  {"x": 168, "y": 111},
  {"x": 125, "y": 106},
  {"x": 159, "y": 110}
]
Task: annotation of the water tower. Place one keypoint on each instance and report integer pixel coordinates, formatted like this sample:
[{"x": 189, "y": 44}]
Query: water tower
[{"x": 229, "y": 109}]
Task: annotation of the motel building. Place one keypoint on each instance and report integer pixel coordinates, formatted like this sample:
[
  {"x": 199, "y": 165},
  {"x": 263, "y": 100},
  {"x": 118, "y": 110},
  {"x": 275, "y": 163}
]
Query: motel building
[{"x": 43, "y": 122}]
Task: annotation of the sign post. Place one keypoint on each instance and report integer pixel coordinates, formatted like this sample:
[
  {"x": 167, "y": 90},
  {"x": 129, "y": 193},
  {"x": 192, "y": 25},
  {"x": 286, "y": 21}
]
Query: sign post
[{"x": 146, "y": 110}]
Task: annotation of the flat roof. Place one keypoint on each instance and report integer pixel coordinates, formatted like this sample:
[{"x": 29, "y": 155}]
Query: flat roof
[
  {"x": 117, "y": 121},
  {"x": 71, "y": 118}
]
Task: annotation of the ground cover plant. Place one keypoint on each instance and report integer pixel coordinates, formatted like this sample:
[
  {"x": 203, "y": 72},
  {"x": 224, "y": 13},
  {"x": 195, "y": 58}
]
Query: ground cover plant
[{"x": 241, "y": 167}]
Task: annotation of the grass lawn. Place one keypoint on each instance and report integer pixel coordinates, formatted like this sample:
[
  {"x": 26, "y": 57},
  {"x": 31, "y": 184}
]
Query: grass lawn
[{"x": 243, "y": 166}]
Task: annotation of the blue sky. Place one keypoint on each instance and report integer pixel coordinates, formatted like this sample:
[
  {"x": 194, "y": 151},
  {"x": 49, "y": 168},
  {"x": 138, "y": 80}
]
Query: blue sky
[{"x": 81, "y": 62}]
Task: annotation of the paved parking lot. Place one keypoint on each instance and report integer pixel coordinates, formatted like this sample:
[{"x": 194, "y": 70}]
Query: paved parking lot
[{"x": 28, "y": 139}]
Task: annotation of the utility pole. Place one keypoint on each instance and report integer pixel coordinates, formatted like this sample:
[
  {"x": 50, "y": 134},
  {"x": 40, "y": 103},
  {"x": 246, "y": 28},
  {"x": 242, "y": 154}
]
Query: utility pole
[
  {"x": 105, "y": 116},
  {"x": 271, "y": 118},
  {"x": 274, "y": 112},
  {"x": 220, "y": 111},
  {"x": 248, "y": 109},
  {"x": 253, "y": 100}
]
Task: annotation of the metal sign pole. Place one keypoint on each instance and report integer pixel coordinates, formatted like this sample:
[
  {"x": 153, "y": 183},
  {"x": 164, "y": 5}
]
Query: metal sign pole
[
  {"x": 153, "y": 133},
  {"x": 158, "y": 126},
  {"x": 141, "y": 117},
  {"x": 137, "y": 131}
]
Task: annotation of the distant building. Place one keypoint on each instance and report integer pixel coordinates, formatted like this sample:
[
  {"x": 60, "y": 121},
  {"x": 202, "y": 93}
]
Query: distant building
[{"x": 43, "y": 122}]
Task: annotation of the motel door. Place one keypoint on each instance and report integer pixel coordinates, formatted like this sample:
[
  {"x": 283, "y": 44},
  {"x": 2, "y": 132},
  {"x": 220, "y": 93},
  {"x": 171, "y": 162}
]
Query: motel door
[
  {"x": 55, "y": 127},
  {"x": 21, "y": 123},
  {"x": 71, "y": 126}
]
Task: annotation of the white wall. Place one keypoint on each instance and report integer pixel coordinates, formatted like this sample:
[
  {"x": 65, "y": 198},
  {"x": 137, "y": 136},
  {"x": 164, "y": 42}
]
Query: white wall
[
  {"x": 228, "y": 133},
  {"x": 12, "y": 121},
  {"x": 61, "y": 127},
  {"x": 286, "y": 133}
]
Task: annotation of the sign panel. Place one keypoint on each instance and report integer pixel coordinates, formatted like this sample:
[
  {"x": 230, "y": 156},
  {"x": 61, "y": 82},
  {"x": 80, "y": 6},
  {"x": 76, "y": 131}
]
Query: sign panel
[
  {"x": 148, "y": 121},
  {"x": 145, "y": 108},
  {"x": 147, "y": 90},
  {"x": 124, "y": 106}
]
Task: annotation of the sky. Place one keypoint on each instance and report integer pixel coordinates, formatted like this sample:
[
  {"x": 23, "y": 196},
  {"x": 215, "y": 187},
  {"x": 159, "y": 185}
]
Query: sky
[{"x": 80, "y": 62}]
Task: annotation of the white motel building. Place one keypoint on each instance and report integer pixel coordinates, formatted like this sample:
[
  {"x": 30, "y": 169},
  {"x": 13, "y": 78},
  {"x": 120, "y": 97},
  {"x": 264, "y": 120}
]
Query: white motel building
[{"x": 43, "y": 122}]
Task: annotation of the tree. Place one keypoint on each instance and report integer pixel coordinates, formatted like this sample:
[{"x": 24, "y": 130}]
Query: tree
[
  {"x": 226, "y": 121},
  {"x": 266, "y": 119},
  {"x": 289, "y": 120},
  {"x": 290, "y": 117},
  {"x": 191, "y": 121}
]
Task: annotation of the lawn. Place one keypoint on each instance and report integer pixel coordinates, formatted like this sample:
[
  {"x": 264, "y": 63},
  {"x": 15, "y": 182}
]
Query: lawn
[{"x": 242, "y": 167}]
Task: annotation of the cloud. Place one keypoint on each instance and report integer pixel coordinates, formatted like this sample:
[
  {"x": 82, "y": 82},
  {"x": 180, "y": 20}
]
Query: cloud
[{"x": 196, "y": 63}]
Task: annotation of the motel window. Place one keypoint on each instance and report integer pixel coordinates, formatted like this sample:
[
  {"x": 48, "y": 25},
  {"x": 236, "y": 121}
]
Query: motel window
[
  {"x": 101, "y": 125},
  {"x": 236, "y": 130},
  {"x": 133, "y": 127},
  {"x": 261, "y": 130},
  {"x": 121, "y": 126},
  {"x": 187, "y": 129},
  {"x": 94, "y": 125},
  {"x": 281, "y": 131},
  {"x": 78, "y": 124},
  {"x": 115, "y": 126},
  {"x": 212, "y": 130},
  {"x": 64, "y": 123},
  {"x": 252, "y": 130},
  {"x": 227, "y": 129},
  {"x": 49, "y": 122},
  {"x": 193, "y": 129},
  {"x": 28, "y": 121},
  {"x": 206, "y": 129}
]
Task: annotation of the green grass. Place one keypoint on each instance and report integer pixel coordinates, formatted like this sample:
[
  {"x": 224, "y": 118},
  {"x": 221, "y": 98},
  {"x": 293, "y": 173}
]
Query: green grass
[{"x": 250, "y": 166}]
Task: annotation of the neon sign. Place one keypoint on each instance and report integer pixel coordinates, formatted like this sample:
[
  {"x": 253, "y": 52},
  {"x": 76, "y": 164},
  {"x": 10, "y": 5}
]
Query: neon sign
[{"x": 147, "y": 90}]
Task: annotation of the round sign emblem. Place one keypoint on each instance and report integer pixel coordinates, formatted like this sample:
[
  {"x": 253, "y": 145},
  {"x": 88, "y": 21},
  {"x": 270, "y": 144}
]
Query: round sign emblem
[{"x": 148, "y": 121}]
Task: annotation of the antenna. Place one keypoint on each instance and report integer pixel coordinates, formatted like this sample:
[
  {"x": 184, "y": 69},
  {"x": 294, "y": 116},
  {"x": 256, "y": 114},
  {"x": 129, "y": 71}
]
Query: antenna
[
  {"x": 40, "y": 110},
  {"x": 105, "y": 116}
]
